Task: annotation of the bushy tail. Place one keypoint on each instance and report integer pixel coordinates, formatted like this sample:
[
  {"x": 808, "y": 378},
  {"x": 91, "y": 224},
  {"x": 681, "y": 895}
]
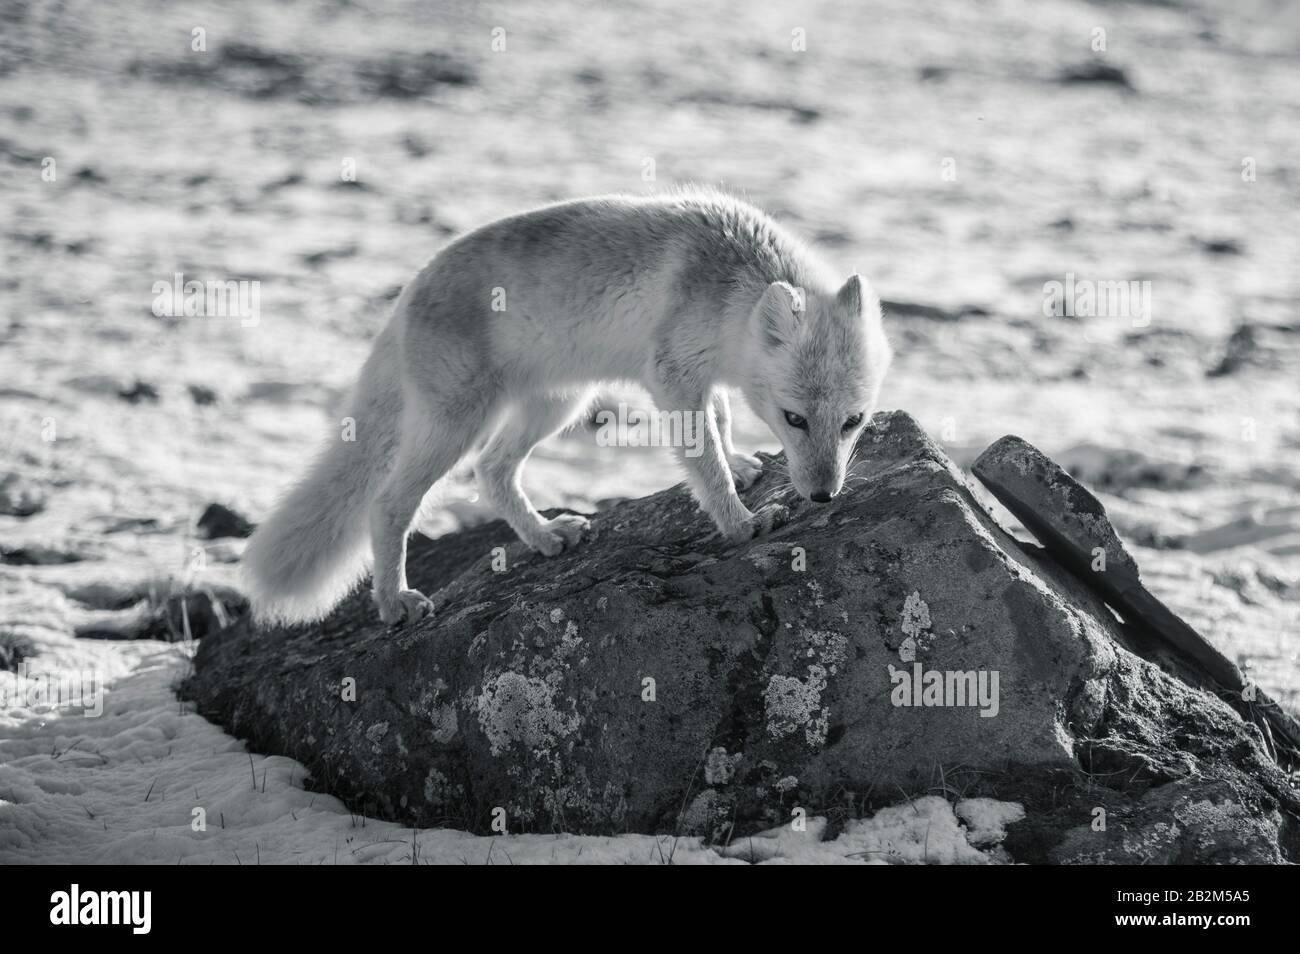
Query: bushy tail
[{"x": 312, "y": 550}]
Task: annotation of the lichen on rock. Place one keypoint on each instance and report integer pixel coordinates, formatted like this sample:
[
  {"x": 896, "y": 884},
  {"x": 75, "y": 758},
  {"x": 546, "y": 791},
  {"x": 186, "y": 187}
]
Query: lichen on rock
[{"x": 517, "y": 709}]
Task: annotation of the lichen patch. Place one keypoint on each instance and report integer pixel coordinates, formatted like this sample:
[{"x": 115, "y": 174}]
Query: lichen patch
[{"x": 513, "y": 708}]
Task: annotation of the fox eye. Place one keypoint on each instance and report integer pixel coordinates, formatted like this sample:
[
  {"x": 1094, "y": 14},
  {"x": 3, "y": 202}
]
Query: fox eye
[
  {"x": 796, "y": 420},
  {"x": 853, "y": 422}
]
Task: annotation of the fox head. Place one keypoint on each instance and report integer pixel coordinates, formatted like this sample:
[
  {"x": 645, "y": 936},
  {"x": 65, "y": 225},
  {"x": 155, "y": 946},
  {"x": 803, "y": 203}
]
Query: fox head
[{"x": 817, "y": 362}]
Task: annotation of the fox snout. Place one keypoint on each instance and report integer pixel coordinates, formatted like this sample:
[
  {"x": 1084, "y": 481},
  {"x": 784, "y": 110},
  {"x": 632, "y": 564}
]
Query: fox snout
[
  {"x": 822, "y": 486},
  {"x": 825, "y": 492}
]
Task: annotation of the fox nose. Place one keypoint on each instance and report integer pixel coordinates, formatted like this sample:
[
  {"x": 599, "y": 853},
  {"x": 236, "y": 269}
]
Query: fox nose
[{"x": 821, "y": 496}]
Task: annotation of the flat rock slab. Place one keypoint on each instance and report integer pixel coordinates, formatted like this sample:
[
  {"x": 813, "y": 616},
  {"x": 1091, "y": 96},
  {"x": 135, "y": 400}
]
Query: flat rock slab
[
  {"x": 656, "y": 679},
  {"x": 1072, "y": 524}
]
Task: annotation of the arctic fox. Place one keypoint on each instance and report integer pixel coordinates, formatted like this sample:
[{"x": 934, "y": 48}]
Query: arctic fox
[{"x": 501, "y": 341}]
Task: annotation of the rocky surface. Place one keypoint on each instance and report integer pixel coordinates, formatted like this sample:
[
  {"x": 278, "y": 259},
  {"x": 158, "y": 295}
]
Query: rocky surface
[{"x": 656, "y": 680}]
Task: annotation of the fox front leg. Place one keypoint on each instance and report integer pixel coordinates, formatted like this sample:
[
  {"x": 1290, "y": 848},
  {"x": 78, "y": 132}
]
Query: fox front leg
[
  {"x": 745, "y": 468},
  {"x": 708, "y": 469}
]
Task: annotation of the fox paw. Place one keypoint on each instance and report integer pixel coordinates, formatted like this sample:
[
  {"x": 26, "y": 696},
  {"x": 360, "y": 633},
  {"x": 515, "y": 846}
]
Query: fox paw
[
  {"x": 745, "y": 469},
  {"x": 768, "y": 518},
  {"x": 407, "y": 606},
  {"x": 762, "y": 521},
  {"x": 563, "y": 532}
]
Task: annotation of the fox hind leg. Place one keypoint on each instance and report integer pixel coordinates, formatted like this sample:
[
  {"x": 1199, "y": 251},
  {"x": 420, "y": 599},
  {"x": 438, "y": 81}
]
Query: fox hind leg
[
  {"x": 526, "y": 423},
  {"x": 432, "y": 441}
]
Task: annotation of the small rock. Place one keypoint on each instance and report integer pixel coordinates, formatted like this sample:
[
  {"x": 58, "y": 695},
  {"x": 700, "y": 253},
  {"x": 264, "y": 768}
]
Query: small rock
[
  {"x": 249, "y": 54},
  {"x": 1096, "y": 73},
  {"x": 220, "y": 521},
  {"x": 14, "y": 648},
  {"x": 139, "y": 391},
  {"x": 284, "y": 182},
  {"x": 316, "y": 259},
  {"x": 1241, "y": 349},
  {"x": 19, "y": 497},
  {"x": 409, "y": 76},
  {"x": 1220, "y": 246},
  {"x": 138, "y": 525},
  {"x": 37, "y": 556},
  {"x": 415, "y": 146},
  {"x": 202, "y": 395}
]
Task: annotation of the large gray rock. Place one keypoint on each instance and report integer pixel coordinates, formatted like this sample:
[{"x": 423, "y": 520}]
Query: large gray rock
[{"x": 657, "y": 679}]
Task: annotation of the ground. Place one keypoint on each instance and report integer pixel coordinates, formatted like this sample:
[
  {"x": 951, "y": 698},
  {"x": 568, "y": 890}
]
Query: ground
[{"x": 327, "y": 149}]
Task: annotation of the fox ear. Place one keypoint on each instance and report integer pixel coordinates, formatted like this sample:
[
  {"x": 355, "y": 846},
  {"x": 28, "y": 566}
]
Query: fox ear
[
  {"x": 856, "y": 297},
  {"x": 779, "y": 312}
]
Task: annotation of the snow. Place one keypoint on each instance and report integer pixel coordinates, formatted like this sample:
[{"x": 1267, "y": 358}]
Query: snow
[{"x": 987, "y": 819}]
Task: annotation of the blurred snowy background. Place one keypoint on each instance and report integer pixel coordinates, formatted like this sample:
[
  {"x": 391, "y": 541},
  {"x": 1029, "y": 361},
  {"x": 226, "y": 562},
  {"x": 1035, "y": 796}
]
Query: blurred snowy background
[{"x": 963, "y": 156}]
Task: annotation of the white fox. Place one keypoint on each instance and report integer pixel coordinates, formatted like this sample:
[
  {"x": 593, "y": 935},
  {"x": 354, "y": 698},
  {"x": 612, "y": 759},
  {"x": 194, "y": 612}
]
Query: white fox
[{"x": 501, "y": 341}]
